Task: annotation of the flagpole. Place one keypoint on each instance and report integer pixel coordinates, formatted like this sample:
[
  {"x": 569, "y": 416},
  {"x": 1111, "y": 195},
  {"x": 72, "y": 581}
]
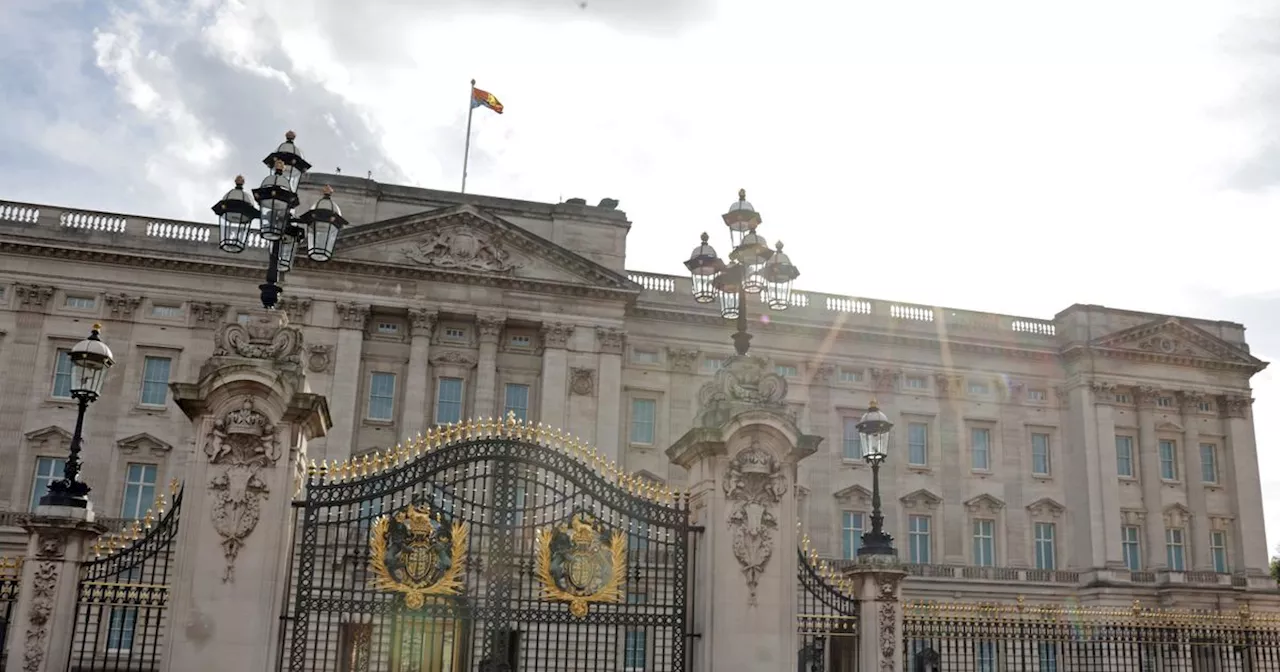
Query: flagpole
[{"x": 466, "y": 152}]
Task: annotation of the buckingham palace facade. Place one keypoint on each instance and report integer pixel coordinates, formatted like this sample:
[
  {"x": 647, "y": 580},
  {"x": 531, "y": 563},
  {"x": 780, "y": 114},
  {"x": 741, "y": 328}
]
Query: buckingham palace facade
[{"x": 1097, "y": 451}]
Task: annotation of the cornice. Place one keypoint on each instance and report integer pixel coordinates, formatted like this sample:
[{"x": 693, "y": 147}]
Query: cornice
[{"x": 1075, "y": 352}]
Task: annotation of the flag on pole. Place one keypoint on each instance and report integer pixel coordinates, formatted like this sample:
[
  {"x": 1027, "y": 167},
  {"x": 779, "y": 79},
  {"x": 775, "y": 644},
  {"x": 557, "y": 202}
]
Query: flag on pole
[{"x": 481, "y": 98}]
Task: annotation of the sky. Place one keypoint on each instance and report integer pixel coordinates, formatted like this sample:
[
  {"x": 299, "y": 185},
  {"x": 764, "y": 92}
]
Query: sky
[{"x": 990, "y": 155}]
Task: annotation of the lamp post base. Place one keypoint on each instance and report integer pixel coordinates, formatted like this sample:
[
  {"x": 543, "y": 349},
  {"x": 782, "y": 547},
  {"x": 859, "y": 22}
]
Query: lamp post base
[
  {"x": 270, "y": 292},
  {"x": 74, "y": 494},
  {"x": 877, "y": 543}
]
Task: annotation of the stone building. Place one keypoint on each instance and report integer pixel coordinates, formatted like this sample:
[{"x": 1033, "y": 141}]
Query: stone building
[{"x": 1105, "y": 453}]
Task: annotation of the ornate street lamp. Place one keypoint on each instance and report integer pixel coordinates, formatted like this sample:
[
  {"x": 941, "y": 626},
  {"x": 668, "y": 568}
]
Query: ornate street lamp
[
  {"x": 90, "y": 360},
  {"x": 753, "y": 269},
  {"x": 273, "y": 204},
  {"x": 874, "y": 429}
]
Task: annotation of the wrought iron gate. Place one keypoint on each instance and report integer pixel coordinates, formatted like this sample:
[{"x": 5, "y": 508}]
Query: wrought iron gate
[
  {"x": 488, "y": 546},
  {"x": 826, "y": 617},
  {"x": 123, "y": 595}
]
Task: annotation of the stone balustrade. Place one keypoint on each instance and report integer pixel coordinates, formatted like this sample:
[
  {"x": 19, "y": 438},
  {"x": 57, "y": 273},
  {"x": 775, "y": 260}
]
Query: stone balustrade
[{"x": 966, "y": 573}]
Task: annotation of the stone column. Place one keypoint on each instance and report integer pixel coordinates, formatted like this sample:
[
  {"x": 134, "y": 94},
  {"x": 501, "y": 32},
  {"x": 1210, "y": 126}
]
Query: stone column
[
  {"x": 821, "y": 523},
  {"x": 252, "y": 417},
  {"x": 1104, "y": 395},
  {"x": 19, "y": 358},
  {"x": 1149, "y": 467},
  {"x": 1245, "y": 487},
  {"x": 352, "y": 321},
  {"x": 742, "y": 457},
  {"x": 417, "y": 417},
  {"x": 955, "y": 455},
  {"x": 609, "y": 392},
  {"x": 877, "y": 581},
  {"x": 44, "y": 617},
  {"x": 555, "y": 373},
  {"x": 1193, "y": 479},
  {"x": 490, "y": 329}
]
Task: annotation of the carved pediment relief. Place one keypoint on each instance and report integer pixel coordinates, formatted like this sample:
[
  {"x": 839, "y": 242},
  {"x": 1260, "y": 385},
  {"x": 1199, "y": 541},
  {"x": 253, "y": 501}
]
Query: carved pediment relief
[
  {"x": 1176, "y": 515},
  {"x": 51, "y": 438},
  {"x": 466, "y": 239},
  {"x": 1133, "y": 516},
  {"x": 1220, "y": 523},
  {"x": 453, "y": 357},
  {"x": 1046, "y": 508},
  {"x": 920, "y": 500},
  {"x": 1166, "y": 426},
  {"x": 1174, "y": 341},
  {"x": 143, "y": 444},
  {"x": 984, "y": 505},
  {"x": 855, "y": 496}
]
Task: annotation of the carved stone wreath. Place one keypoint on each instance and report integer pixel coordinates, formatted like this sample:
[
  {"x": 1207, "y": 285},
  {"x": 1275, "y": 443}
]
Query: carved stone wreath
[
  {"x": 243, "y": 443},
  {"x": 260, "y": 338},
  {"x": 319, "y": 358},
  {"x": 582, "y": 382},
  {"x": 754, "y": 485},
  {"x": 743, "y": 382}
]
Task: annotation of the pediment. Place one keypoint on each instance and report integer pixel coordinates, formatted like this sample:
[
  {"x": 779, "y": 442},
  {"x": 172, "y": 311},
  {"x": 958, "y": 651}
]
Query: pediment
[
  {"x": 854, "y": 495},
  {"x": 920, "y": 499},
  {"x": 984, "y": 503},
  {"x": 1166, "y": 426},
  {"x": 1176, "y": 515},
  {"x": 464, "y": 240},
  {"x": 144, "y": 442},
  {"x": 51, "y": 434},
  {"x": 650, "y": 477},
  {"x": 1046, "y": 507},
  {"x": 1171, "y": 340}
]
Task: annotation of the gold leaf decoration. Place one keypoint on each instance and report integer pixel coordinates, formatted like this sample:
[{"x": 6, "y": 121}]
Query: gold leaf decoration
[
  {"x": 425, "y": 536},
  {"x": 583, "y": 580}
]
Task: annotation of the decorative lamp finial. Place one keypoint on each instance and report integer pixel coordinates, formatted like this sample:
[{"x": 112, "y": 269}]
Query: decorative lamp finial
[
  {"x": 778, "y": 246},
  {"x": 705, "y": 237},
  {"x": 279, "y": 165},
  {"x": 742, "y": 194},
  {"x": 875, "y": 406},
  {"x": 239, "y": 181},
  {"x": 290, "y": 135},
  {"x": 327, "y": 191},
  {"x": 97, "y": 326}
]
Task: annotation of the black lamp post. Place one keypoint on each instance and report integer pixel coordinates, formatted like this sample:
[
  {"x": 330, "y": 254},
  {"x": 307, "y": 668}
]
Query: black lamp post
[
  {"x": 874, "y": 429},
  {"x": 753, "y": 269},
  {"x": 90, "y": 360},
  {"x": 276, "y": 198}
]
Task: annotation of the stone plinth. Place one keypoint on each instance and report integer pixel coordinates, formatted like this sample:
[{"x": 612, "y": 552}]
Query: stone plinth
[
  {"x": 252, "y": 417},
  {"x": 45, "y": 615},
  {"x": 877, "y": 582}
]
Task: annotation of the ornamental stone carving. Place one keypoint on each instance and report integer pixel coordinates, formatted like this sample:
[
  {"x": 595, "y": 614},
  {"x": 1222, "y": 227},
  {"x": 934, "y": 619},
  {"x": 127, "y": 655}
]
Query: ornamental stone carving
[
  {"x": 33, "y": 297},
  {"x": 743, "y": 382},
  {"x": 883, "y": 380},
  {"x": 296, "y": 308},
  {"x": 1176, "y": 515},
  {"x": 582, "y": 382},
  {"x": 754, "y": 485},
  {"x": 263, "y": 336},
  {"x": 353, "y": 316},
  {"x": 454, "y": 357},
  {"x": 490, "y": 327},
  {"x": 949, "y": 385},
  {"x": 460, "y": 249},
  {"x": 822, "y": 372},
  {"x": 1103, "y": 392},
  {"x": 1190, "y": 401},
  {"x": 121, "y": 306},
  {"x": 1237, "y": 407},
  {"x": 887, "y": 584},
  {"x": 556, "y": 335},
  {"x": 319, "y": 358},
  {"x": 1146, "y": 396},
  {"x": 610, "y": 340},
  {"x": 43, "y": 588},
  {"x": 1045, "y": 508},
  {"x": 682, "y": 359},
  {"x": 240, "y": 446},
  {"x": 208, "y": 314},
  {"x": 422, "y": 322}
]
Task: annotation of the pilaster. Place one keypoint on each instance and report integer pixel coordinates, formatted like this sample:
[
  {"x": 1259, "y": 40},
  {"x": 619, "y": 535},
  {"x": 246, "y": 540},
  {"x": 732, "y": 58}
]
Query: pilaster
[
  {"x": 1149, "y": 467},
  {"x": 609, "y": 341},
  {"x": 821, "y": 523},
  {"x": 1242, "y": 450},
  {"x": 416, "y": 417},
  {"x": 1104, "y": 395},
  {"x": 489, "y": 328},
  {"x": 20, "y": 357},
  {"x": 1194, "y": 482},
  {"x": 951, "y": 433},
  {"x": 353, "y": 319},
  {"x": 555, "y": 372}
]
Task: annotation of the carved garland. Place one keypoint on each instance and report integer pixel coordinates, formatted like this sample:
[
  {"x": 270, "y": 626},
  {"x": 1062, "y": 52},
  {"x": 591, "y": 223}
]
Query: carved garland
[
  {"x": 243, "y": 443},
  {"x": 888, "y": 600},
  {"x": 754, "y": 485},
  {"x": 50, "y": 549}
]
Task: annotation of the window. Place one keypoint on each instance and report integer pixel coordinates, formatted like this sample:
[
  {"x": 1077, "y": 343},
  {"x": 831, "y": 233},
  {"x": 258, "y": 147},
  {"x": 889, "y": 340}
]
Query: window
[
  {"x": 517, "y": 506},
  {"x": 388, "y": 328},
  {"x": 48, "y": 470},
  {"x": 1048, "y": 657},
  {"x": 1218, "y": 551},
  {"x": 634, "y": 651},
  {"x": 62, "y": 375},
  {"x": 382, "y": 396},
  {"x": 516, "y": 400},
  {"x": 644, "y": 356},
  {"x": 852, "y": 525},
  {"x": 1123, "y": 399},
  {"x": 712, "y": 364},
  {"x": 455, "y": 334},
  {"x": 1037, "y": 395},
  {"x": 984, "y": 543},
  {"x": 1168, "y": 460},
  {"x": 123, "y": 620},
  {"x": 979, "y": 388},
  {"x": 448, "y": 401},
  {"x": 915, "y": 382},
  {"x": 985, "y": 656},
  {"x": 917, "y": 444},
  {"x": 521, "y": 341},
  {"x": 155, "y": 380},
  {"x": 1174, "y": 549},
  {"x": 849, "y": 376},
  {"x": 1046, "y": 557},
  {"x": 1124, "y": 456},
  {"x": 1205, "y": 406},
  {"x": 81, "y": 302},
  {"x": 643, "y": 418},
  {"x": 1040, "y": 463},
  {"x": 919, "y": 540},
  {"x": 852, "y": 440},
  {"x": 139, "y": 491},
  {"x": 1164, "y": 402},
  {"x": 1208, "y": 463},
  {"x": 786, "y": 370},
  {"x": 1132, "y": 547},
  {"x": 980, "y": 453},
  {"x": 166, "y": 311}
]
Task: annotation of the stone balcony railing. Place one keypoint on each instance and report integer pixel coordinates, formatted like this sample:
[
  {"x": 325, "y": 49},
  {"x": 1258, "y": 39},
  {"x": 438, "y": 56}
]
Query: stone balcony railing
[
  {"x": 1075, "y": 578},
  {"x": 11, "y": 519}
]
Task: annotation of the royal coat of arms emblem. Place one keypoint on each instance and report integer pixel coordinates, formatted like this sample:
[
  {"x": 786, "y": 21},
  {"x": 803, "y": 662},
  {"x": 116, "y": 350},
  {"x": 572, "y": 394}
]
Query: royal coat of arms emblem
[
  {"x": 418, "y": 555},
  {"x": 579, "y": 562}
]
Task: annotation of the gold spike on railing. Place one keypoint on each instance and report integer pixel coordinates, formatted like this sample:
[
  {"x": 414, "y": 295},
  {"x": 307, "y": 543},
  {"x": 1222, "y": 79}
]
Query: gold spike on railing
[{"x": 174, "y": 486}]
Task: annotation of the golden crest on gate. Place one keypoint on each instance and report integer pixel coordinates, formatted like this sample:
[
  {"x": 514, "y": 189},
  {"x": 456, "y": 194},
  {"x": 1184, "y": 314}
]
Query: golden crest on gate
[
  {"x": 579, "y": 562},
  {"x": 416, "y": 554}
]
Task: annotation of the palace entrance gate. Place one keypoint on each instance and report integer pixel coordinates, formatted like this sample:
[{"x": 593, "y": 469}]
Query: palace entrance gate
[{"x": 487, "y": 546}]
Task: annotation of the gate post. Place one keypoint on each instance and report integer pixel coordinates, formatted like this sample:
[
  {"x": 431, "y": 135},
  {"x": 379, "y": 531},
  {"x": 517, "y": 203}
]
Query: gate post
[
  {"x": 877, "y": 581},
  {"x": 252, "y": 416},
  {"x": 45, "y": 614},
  {"x": 742, "y": 456}
]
